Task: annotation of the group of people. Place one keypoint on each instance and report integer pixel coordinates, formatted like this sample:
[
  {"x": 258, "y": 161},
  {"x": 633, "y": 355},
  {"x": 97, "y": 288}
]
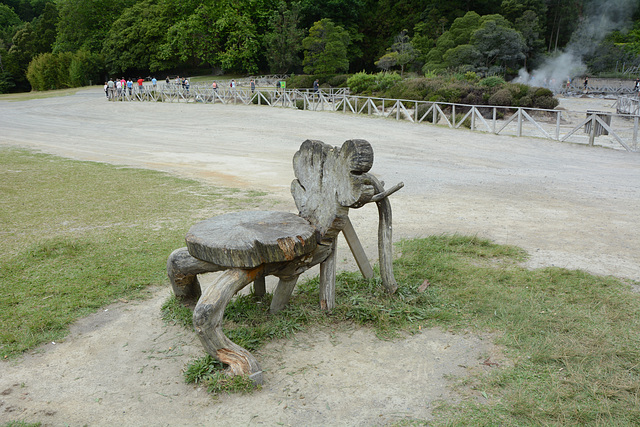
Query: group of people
[
  {"x": 121, "y": 86},
  {"x": 179, "y": 82}
]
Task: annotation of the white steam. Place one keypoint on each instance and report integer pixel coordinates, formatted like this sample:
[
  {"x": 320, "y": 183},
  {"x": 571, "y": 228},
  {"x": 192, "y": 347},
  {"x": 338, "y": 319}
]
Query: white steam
[{"x": 601, "y": 18}]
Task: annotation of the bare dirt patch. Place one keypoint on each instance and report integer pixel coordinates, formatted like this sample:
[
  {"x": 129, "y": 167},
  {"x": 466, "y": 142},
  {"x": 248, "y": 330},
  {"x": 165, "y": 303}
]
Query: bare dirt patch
[{"x": 568, "y": 205}]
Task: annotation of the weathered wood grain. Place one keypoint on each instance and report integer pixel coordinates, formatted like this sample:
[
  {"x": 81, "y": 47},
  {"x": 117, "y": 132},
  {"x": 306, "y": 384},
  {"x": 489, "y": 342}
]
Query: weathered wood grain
[
  {"x": 329, "y": 180},
  {"x": 251, "y": 238},
  {"x": 253, "y": 244},
  {"x": 208, "y": 318}
]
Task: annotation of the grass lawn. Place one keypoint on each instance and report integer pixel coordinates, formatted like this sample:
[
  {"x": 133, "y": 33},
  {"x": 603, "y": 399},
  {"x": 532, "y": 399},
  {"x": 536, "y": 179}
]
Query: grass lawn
[{"x": 79, "y": 235}]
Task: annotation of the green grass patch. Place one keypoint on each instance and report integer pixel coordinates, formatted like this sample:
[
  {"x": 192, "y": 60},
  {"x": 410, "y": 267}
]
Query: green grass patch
[
  {"x": 79, "y": 235},
  {"x": 572, "y": 338}
]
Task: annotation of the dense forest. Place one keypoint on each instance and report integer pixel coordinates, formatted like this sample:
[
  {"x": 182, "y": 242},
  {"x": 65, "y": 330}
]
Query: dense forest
[{"x": 61, "y": 43}]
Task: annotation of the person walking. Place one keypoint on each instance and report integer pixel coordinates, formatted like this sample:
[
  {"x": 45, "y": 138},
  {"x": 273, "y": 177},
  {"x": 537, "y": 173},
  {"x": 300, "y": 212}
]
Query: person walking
[
  {"x": 253, "y": 86},
  {"x": 111, "y": 86}
]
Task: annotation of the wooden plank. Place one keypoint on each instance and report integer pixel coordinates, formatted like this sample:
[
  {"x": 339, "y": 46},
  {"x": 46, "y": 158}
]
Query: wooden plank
[{"x": 357, "y": 250}]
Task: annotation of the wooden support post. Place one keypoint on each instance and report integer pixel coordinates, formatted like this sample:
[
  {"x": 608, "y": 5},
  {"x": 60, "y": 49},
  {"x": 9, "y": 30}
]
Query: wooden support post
[
  {"x": 328, "y": 281},
  {"x": 357, "y": 250},
  {"x": 282, "y": 293},
  {"x": 519, "y": 121},
  {"x": 494, "y": 119},
  {"x": 259, "y": 287},
  {"x": 635, "y": 133}
]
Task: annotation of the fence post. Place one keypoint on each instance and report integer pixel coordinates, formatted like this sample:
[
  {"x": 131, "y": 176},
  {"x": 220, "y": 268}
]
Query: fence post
[
  {"x": 558, "y": 115},
  {"x": 520, "y": 121},
  {"x": 592, "y": 133},
  {"x": 473, "y": 118},
  {"x": 635, "y": 133},
  {"x": 494, "y": 119}
]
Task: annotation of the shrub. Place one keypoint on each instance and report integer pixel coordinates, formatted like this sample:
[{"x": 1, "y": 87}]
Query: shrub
[
  {"x": 361, "y": 82},
  {"x": 49, "y": 71},
  {"x": 501, "y": 97},
  {"x": 492, "y": 81},
  {"x": 542, "y": 92},
  {"x": 471, "y": 76},
  {"x": 474, "y": 97},
  {"x": 300, "y": 104},
  {"x": 545, "y": 102},
  {"x": 385, "y": 80},
  {"x": 61, "y": 70},
  {"x": 525, "y": 101},
  {"x": 339, "y": 80},
  {"x": 300, "y": 82},
  {"x": 518, "y": 90}
]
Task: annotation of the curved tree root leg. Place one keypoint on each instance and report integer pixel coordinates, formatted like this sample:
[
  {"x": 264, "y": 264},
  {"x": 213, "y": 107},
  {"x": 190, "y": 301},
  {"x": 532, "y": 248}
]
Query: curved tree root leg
[
  {"x": 207, "y": 320},
  {"x": 183, "y": 270}
]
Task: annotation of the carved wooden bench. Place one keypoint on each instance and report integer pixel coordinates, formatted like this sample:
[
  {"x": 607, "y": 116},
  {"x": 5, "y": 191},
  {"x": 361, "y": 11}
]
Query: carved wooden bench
[{"x": 250, "y": 245}]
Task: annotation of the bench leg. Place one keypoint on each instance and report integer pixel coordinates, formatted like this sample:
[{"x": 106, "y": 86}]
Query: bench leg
[
  {"x": 208, "y": 319},
  {"x": 259, "y": 287},
  {"x": 327, "y": 285},
  {"x": 282, "y": 293},
  {"x": 183, "y": 270}
]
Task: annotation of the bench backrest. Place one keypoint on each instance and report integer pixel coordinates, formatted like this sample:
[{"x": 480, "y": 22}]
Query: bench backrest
[{"x": 329, "y": 181}]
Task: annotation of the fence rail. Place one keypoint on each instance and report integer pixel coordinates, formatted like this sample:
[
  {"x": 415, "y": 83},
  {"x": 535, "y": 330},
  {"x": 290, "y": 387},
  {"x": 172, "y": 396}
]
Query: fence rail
[{"x": 620, "y": 130}]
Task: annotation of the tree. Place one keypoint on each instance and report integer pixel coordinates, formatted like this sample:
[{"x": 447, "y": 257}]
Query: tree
[
  {"x": 283, "y": 42},
  {"x": 325, "y": 49},
  {"x": 498, "y": 44},
  {"x": 133, "y": 43},
  {"x": 222, "y": 35},
  {"x": 86, "y": 23},
  {"x": 399, "y": 54},
  {"x": 9, "y": 22},
  {"x": 464, "y": 57},
  {"x": 529, "y": 26}
]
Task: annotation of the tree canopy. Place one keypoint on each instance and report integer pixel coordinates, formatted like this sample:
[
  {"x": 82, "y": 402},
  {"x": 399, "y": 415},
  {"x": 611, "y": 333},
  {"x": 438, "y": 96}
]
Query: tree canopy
[{"x": 141, "y": 37}]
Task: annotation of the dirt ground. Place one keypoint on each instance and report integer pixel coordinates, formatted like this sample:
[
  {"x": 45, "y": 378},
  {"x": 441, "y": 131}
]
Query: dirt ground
[{"x": 568, "y": 205}]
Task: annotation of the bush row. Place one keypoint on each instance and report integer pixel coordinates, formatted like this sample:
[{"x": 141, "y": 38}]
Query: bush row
[
  {"x": 325, "y": 80},
  {"x": 63, "y": 70},
  {"x": 460, "y": 89}
]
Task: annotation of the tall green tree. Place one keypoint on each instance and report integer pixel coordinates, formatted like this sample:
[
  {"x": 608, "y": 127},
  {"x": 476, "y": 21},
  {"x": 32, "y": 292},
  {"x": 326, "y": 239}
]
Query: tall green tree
[
  {"x": 9, "y": 23},
  {"x": 499, "y": 45},
  {"x": 401, "y": 53},
  {"x": 325, "y": 49},
  {"x": 134, "y": 40},
  {"x": 86, "y": 23},
  {"x": 222, "y": 35},
  {"x": 284, "y": 40}
]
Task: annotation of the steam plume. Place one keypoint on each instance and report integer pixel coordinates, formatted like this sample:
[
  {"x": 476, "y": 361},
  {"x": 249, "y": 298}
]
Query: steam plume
[{"x": 601, "y": 18}]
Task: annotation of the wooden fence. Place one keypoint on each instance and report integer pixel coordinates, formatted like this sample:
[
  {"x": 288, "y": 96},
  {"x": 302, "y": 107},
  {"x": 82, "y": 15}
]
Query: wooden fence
[{"x": 606, "y": 129}]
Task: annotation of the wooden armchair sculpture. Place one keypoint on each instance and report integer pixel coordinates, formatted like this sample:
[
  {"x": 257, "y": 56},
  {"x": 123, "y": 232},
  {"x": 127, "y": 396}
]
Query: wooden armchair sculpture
[{"x": 251, "y": 245}]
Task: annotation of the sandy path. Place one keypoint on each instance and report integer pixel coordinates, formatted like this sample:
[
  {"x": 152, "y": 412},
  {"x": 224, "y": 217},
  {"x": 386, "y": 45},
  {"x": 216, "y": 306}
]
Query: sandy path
[{"x": 568, "y": 205}]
